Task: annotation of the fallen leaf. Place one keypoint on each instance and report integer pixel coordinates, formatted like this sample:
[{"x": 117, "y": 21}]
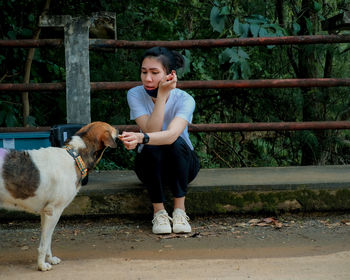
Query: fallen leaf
[
  {"x": 254, "y": 221},
  {"x": 262, "y": 224},
  {"x": 241, "y": 224},
  {"x": 269, "y": 220},
  {"x": 168, "y": 236},
  {"x": 207, "y": 233},
  {"x": 278, "y": 225}
]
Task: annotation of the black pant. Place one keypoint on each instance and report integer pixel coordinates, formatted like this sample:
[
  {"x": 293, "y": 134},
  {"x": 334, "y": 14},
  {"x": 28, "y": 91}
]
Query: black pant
[{"x": 175, "y": 165}]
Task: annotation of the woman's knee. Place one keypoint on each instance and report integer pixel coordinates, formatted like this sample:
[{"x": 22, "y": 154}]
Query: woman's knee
[
  {"x": 179, "y": 147},
  {"x": 151, "y": 154}
]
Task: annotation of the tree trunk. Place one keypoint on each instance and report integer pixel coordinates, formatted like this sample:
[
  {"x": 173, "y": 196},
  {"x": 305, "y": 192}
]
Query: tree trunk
[
  {"x": 307, "y": 69},
  {"x": 280, "y": 12},
  {"x": 27, "y": 68}
]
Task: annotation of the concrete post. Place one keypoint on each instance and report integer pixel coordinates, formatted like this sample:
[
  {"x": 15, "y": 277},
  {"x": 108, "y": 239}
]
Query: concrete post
[{"x": 76, "y": 44}]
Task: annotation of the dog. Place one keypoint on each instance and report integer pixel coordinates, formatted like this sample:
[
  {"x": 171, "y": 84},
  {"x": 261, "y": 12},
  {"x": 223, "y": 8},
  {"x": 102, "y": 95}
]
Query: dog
[{"x": 45, "y": 181}]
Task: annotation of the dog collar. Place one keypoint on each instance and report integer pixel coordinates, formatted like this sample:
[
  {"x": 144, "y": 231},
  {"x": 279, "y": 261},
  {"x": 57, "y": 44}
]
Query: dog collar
[{"x": 78, "y": 160}]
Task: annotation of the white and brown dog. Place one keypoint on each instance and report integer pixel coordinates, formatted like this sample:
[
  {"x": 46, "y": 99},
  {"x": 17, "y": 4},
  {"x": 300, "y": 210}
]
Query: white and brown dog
[{"x": 45, "y": 181}]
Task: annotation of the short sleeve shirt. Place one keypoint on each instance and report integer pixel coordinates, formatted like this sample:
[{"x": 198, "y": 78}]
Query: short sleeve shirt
[{"x": 179, "y": 104}]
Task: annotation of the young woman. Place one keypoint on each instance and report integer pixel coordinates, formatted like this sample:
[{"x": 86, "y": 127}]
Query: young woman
[{"x": 165, "y": 154}]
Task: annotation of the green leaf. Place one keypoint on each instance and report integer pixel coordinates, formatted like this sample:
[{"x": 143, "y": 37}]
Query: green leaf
[
  {"x": 234, "y": 71},
  {"x": 31, "y": 121},
  {"x": 242, "y": 54},
  {"x": 309, "y": 25},
  {"x": 187, "y": 67},
  {"x": 26, "y": 32},
  {"x": 263, "y": 32},
  {"x": 254, "y": 29},
  {"x": 296, "y": 28},
  {"x": 11, "y": 35},
  {"x": 278, "y": 30},
  {"x": 257, "y": 19},
  {"x": 226, "y": 55},
  {"x": 245, "y": 70},
  {"x": 217, "y": 21},
  {"x": 236, "y": 27},
  {"x": 10, "y": 120},
  {"x": 225, "y": 11},
  {"x": 234, "y": 57},
  {"x": 244, "y": 30},
  {"x": 31, "y": 17},
  {"x": 317, "y": 6},
  {"x": 56, "y": 69}
]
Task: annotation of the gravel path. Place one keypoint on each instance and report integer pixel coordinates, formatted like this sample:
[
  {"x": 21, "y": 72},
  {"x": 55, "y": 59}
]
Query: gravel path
[{"x": 220, "y": 247}]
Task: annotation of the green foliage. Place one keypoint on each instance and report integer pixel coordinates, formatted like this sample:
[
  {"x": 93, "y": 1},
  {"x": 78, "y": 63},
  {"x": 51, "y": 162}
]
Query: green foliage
[
  {"x": 194, "y": 19},
  {"x": 8, "y": 114},
  {"x": 217, "y": 19},
  {"x": 106, "y": 164}
]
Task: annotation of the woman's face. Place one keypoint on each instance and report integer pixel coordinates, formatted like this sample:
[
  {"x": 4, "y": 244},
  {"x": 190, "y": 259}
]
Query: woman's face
[{"x": 152, "y": 71}]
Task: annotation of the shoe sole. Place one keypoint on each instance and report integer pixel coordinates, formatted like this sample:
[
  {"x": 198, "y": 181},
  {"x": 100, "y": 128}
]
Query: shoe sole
[
  {"x": 181, "y": 231},
  {"x": 162, "y": 232}
]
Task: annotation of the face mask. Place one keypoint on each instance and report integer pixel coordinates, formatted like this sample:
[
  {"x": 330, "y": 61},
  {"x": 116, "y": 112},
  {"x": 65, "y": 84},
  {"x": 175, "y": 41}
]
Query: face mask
[{"x": 152, "y": 92}]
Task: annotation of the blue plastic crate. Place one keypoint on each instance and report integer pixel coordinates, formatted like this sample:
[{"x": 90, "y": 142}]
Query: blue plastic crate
[{"x": 25, "y": 140}]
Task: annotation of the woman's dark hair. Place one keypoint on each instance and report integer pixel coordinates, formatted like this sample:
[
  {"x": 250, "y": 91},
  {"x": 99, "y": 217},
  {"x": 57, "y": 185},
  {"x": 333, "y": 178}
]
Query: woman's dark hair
[{"x": 171, "y": 60}]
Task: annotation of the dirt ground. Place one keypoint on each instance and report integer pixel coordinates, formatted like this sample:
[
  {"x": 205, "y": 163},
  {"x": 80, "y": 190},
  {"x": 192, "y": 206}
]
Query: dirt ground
[{"x": 315, "y": 246}]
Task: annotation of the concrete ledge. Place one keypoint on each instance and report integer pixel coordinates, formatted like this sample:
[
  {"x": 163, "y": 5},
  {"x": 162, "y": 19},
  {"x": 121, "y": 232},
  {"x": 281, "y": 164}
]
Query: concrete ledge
[{"x": 237, "y": 190}]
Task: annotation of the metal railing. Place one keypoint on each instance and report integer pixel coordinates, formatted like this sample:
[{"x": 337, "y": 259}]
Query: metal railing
[{"x": 215, "y": 84}]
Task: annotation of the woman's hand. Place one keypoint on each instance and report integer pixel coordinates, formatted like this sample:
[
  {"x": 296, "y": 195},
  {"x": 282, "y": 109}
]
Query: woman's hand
[
  {"x": 131, "y": 139},
  {"x": 167, "y": 84}
]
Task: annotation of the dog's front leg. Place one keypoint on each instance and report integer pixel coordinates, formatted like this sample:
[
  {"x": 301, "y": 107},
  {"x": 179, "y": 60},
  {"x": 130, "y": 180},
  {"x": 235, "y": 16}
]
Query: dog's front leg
[{"x": 48, "y": 224}]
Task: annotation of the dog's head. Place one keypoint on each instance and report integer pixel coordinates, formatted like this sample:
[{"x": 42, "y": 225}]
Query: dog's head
[{"x": 94, "y": 138}]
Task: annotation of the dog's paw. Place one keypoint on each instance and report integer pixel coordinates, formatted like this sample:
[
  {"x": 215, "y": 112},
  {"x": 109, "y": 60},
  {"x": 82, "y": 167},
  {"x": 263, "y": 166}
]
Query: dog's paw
[
  {"x": 44, "y": 266},
  {"x": 54, "y": 260}
]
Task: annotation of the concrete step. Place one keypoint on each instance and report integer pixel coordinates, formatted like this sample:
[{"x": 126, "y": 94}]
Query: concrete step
[
  {"x": 225, "y": 190},
  {"x": 234, "y": 190}
]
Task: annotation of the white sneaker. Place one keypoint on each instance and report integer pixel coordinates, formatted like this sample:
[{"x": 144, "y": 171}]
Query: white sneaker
[
  {"x": 180, "y": 221},
  {"x": 161, "y": 223}
]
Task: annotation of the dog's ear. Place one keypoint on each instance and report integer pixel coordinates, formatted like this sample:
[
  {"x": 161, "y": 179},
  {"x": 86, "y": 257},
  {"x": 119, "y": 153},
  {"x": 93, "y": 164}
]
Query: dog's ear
[{"x": 108, "y": 140}]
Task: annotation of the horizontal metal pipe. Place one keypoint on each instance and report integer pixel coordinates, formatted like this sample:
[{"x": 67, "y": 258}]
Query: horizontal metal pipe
[
  {"x": 33, "y": 87},
  {"x": 223, "y": 127},
  {"x": 215, "y": 84},
  {"x": 30, "y": 43},
  {"x": 229, "y": 42},
  {"x": 270, "y": 83},
  {"x": 185, "y": 44},
  {"x": 274, "y": 126}
]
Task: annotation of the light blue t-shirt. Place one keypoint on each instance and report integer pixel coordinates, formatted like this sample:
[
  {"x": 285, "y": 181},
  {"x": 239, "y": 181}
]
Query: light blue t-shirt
[{"x": 179, "y": 104}]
